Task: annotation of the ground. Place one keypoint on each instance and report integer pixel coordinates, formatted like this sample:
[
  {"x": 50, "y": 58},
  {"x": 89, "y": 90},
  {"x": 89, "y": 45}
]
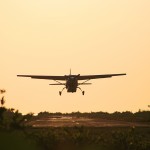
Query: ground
[{"x": 87, "y": 122}]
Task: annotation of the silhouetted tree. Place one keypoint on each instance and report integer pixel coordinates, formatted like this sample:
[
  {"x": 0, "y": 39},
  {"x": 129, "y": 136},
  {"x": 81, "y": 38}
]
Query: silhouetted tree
[
  {"x": 2, "y": 101},
  {"x": 2, "y": 91}
]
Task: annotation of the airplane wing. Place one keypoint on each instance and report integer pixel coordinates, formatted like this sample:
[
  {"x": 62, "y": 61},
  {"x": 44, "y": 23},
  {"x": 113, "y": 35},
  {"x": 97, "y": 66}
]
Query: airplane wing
[
  {"x": 84, "y": 77},
  {"x": 89, "y": 77},
  {"x": 44, "y": 77}
]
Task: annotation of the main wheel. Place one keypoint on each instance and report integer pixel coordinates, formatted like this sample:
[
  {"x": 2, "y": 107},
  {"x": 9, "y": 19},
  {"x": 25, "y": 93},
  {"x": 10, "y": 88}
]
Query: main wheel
[
  {"x": 60, "y": 93},
  {"x": 83, "y": 92}
]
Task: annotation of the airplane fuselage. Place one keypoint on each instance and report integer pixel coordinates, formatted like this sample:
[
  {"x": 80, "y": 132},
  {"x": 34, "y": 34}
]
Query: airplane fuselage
[{"x": 72, "y": 84}]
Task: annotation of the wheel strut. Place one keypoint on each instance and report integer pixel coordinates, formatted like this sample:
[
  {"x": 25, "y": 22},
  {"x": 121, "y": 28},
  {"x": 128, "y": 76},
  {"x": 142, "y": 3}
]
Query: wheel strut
[
  {"x": 60, "y": 92},
  {"x": 83, "y": 92}
]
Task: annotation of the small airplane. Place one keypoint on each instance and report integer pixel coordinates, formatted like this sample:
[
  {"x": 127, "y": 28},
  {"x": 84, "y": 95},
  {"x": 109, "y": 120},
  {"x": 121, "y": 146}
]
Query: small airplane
[{"x": 71, "y": 83}]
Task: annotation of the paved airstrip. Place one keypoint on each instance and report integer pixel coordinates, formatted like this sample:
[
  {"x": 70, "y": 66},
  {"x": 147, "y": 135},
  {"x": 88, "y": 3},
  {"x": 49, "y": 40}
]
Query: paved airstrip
[{"x": 87, "y": 122}]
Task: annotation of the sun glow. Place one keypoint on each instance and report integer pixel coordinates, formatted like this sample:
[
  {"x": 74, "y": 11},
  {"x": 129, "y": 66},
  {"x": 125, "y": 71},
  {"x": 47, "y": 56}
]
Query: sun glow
[{"x": 91, "y": 37}]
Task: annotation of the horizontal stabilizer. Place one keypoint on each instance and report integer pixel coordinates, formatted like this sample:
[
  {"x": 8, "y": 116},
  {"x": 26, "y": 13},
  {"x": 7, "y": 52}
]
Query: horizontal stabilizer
[
  {"x": 84, "y": 83},
  {"x": 57, "y": 84}
]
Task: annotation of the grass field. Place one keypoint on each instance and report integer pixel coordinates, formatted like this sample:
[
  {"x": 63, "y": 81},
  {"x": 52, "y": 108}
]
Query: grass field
[{"x": 76, "y": 138}]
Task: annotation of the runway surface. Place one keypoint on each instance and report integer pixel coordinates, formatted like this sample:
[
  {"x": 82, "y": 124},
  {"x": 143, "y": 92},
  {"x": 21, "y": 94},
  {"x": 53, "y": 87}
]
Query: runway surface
[{"x": 87, "y": 122}]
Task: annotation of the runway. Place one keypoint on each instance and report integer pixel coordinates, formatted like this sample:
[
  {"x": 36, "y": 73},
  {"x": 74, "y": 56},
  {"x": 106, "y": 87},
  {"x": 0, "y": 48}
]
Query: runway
[{"x": 87, "y": 122}]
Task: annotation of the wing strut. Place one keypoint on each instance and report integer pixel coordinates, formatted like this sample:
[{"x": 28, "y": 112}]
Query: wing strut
[
  {"x": 84, "y": 81},
  {"x": 59, "y": 82}
]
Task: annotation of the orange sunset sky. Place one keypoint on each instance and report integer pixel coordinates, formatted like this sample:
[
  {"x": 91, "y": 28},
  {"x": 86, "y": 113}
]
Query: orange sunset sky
[{"x": 48, "y": 37}]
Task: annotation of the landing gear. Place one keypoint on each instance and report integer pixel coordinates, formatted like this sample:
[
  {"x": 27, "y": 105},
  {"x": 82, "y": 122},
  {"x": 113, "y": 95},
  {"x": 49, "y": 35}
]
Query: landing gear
[
  {"x": 83, "y": 92},
  {"x": 60, "y": 92}
]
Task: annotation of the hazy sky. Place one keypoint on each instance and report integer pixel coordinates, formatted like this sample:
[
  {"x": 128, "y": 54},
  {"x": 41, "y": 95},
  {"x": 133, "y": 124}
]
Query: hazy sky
[{"x": 48, "y": 37}]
